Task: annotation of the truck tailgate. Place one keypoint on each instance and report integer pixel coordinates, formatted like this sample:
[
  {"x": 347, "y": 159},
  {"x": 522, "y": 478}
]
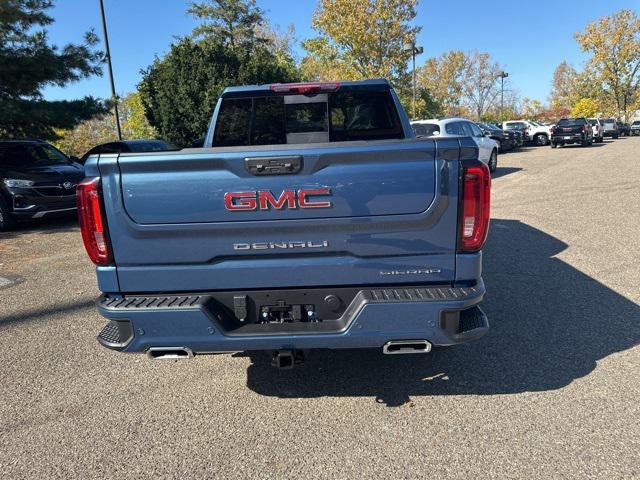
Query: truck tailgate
[
  {"x": 364, "y": 181},
  {"x": 389, "y": 215}
]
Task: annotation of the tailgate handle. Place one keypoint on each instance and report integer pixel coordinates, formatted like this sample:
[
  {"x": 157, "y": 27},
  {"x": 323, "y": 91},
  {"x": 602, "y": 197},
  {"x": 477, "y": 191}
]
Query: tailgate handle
[{"x": 288, "y": 165}]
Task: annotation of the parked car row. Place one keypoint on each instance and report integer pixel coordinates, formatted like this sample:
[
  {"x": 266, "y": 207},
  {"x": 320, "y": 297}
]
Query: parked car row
[
  {"x": 493, "y": 138},
  {"x": 586, "y": 131},
  {"x": 38, "y": 180}
]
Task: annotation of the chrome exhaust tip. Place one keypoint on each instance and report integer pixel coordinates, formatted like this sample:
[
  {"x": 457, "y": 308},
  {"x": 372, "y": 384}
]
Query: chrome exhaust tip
[
  {"x": 404, "y": 347},
  {"x": 170, "y": 353}
]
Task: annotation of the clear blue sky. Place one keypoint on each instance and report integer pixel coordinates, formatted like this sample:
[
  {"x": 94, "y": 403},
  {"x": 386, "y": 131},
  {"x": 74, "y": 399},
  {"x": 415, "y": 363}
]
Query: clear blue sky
[{"x": 529, "y": 38}]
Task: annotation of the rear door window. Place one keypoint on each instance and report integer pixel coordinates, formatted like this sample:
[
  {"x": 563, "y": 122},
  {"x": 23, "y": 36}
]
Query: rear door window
[
  {"x": 455, "y": 128},
  {"x": 472, "y": 130}
]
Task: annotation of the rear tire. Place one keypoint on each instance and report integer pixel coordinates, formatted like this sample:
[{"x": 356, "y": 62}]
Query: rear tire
[
  {"x": 6, "y": 221},
  {"x": 541, "y": 140},
  {"x": 493, "y": 161}
]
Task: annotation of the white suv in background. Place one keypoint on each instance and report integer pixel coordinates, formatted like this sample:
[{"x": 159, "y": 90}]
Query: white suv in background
[
  {"x": 460, "y": 127},
  {"x": 598, "y": 129},
  {"x": 533, "y": 131}
]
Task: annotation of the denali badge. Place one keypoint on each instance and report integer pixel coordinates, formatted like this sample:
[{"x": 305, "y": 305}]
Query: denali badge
[
  {"x": 280, "y": 245},
  {"x": 411, "y": 271},
  {"x": 264, "y": 200}
]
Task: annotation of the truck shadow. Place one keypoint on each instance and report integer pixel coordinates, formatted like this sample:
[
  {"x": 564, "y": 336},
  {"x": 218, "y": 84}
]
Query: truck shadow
[
  {"x": 550, "y": 325},
  {"x": 60, "y": 223},
  {"x": 503, "y": 171}
]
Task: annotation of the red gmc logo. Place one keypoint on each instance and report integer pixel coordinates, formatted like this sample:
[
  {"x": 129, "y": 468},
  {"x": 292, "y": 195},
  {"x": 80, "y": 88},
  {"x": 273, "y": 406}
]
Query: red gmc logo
[{"x": 265, "y": 200}]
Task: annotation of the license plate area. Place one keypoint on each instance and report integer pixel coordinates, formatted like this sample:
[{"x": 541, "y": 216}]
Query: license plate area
[{"x": 287, "y": 313}]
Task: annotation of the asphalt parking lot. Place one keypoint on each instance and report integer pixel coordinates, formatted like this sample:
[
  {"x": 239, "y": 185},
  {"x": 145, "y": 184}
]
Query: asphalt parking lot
[{"x": 551, "y": 392}]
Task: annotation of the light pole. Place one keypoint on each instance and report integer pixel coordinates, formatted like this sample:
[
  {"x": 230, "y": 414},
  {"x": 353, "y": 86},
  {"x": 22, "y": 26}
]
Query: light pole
[
  {"x": 415, "y": 50},
  {"x": 114, "y": 98},
  {"x": 502, "y": 74}
]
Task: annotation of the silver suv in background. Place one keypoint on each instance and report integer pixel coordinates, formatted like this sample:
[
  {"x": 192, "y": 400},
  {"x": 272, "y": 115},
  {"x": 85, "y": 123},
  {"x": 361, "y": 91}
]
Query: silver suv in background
[
  {"x": 610, "y": 127},
  {"x": 598, "y": 129},
  {"x": 635, "y": 128}
]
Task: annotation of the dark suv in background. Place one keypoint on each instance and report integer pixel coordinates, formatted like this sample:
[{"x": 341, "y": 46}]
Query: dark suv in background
[
  {"x": 36, "y": 179},
  {"x": 572, "y": 130},
  {"x": 506, "y": 139}
]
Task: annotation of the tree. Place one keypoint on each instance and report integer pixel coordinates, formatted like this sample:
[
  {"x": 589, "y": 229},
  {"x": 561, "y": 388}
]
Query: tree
[
  {"x": 614, "y": 43},
  {"x": 28, "y": 63},
  {"x": 585, "y": 107},
  {"x": 233, "y": 22},
  {"x": 179, "y": 92},
  {"x": 361, "y": 39},
  {"x": 442, "y": 77},
  {"x": 133, "y": 119},
  {"x": 479, "y": 82},
  {"x": 562, "y": 86},
  {"x": 531, "y": 109},
  {"x": 102, "y": 128},
  {"x": 463, "y": 84}
]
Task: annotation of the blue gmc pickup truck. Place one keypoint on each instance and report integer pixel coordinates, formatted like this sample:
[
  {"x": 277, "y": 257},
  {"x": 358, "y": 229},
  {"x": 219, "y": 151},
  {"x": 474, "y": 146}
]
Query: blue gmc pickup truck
[{"x": 312, "y": 218}]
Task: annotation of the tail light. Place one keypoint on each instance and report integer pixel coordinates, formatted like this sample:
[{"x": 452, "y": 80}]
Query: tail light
[
  {"x": 305, "y": 88},
  {"x": 474, "y": 211},
  {"x": 92, "y": 222}
]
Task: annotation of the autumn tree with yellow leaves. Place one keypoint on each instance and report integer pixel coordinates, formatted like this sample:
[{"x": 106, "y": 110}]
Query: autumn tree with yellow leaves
[
  {"x": 614, "y": 45},
  {"x": 360, "y": 39}
]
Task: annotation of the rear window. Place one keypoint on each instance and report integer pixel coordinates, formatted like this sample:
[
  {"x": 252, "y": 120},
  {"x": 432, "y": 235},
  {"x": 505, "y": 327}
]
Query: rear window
[
  {"x": 425, "y": 129},
  {"x": 593, "y": 122},
  {"x": 348, "y": 114},
  {"x": 572, "y": 122},
  {"x": 148, "y": 147}
]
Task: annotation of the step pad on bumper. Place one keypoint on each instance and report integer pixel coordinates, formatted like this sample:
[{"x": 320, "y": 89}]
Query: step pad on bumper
[
  {"x": 156, "y": 303},
  {"x": 419, "y": 294},
  {"x": 116, "y": 335}
]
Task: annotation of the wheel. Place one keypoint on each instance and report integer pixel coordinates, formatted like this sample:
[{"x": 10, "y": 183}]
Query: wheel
[
  {"x": 493, "y": 161},
  {"x": 541, "y": 140},
  {"x": 6, "y": 222},
  {"x": 600, "y": 139}
]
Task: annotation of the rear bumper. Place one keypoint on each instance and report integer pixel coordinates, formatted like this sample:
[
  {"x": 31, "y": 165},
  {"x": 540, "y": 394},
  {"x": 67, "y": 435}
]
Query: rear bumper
[
  {"x": 442, "y": 315},
  {"x": 569, "y": 138}
]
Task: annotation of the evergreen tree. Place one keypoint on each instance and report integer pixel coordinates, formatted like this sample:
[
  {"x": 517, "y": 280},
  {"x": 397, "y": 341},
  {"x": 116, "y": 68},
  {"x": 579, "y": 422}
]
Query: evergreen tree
[{"x": 28, "y": 63}]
